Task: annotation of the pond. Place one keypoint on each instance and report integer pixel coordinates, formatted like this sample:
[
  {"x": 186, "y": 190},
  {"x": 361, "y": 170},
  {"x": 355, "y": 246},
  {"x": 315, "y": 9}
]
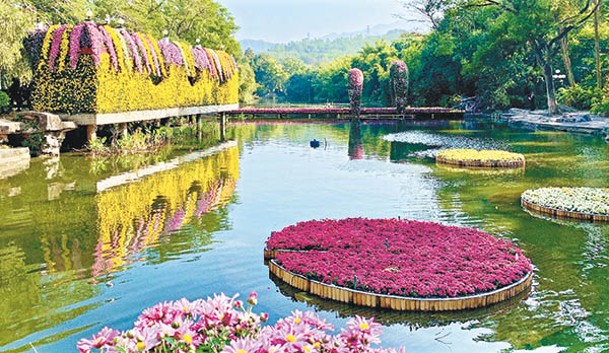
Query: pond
[{"x": 78, "y": 253}]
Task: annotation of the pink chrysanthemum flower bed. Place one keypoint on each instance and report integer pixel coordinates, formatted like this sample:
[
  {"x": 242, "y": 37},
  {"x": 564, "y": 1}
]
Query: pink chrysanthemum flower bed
[
  {"x": 399, "y": 257},
  {"x": 223, "y": 324}
]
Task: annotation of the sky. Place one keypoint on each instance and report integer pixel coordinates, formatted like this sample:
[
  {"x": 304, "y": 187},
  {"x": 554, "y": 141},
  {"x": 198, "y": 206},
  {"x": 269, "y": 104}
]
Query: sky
[{"x": 287, "y": 20}]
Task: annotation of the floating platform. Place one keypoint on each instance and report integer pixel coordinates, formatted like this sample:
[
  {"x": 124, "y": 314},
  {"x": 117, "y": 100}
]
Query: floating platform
[
  {"x": 399, "y": 303},
  {"x": 561, "y": 214}
]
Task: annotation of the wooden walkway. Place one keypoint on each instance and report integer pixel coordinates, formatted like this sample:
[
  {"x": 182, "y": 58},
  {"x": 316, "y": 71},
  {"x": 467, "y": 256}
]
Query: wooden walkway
[{"x": 380, "y": 113}]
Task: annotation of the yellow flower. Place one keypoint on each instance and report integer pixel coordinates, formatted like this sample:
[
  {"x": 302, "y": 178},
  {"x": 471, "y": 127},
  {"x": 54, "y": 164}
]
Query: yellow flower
[
  {"x": 364, "y": 326},
  {"x": 290, "y": 338},
  {"x": 241, "y": 351},
  {"x": 187, "y": 338},
  {"x": 297, "y": 320},
  {"x": 140, "y": 346}
]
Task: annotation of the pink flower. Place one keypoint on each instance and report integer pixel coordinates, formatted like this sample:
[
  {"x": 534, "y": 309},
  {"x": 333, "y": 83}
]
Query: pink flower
[
  {"x": 252, "y": 299},
  {"x": 399, "y": 257},
  {"x": 55, "y": 46},
  {"x": 105, "y": 337}
]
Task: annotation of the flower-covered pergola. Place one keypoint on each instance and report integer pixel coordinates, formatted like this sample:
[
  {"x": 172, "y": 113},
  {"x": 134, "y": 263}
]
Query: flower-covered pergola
[{"x": 96, "y": 74}]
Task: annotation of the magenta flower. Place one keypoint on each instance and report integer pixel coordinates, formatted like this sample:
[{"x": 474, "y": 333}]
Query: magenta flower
[
  {"x": 55, "y": 46},
  {"x": 142, "y": 51},
  {"x": 109, "y": 46},
  {"x": 399, "y": 257},
  {"x": 133, "y": 51},
  {"x": 355, "y": 89}
]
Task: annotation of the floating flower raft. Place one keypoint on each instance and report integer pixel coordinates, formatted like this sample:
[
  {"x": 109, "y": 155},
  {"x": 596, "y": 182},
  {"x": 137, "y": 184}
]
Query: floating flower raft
[
  {"x": 398, "y": 264},
  {"x": 484, "y": 158},
  {"x": 588, "y": 204}
]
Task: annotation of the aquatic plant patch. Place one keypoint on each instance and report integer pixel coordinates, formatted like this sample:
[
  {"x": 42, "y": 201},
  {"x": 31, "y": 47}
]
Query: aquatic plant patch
[
  {"x": 581, "y": 203},
  {"x": 398, "y": 257},
  {"x": 480, "y": 158},
  {"x": 224, "y": 324}
]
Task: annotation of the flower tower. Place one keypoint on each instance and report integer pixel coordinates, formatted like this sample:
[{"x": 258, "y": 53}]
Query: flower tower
[
  {"x": 356, "y": 86},
  {"x": 399, "y": 84}
]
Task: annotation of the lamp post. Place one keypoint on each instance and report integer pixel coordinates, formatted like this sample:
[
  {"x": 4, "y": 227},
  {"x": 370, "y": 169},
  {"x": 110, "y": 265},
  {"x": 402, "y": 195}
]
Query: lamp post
[{"x": 558, "y": 76}]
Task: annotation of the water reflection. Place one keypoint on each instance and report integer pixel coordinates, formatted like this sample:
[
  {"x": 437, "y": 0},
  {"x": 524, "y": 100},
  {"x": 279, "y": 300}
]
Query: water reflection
[
  {"x": 59, "y": 236},
  {"x": 356, "y": 144},
  {"x": 133, "y": 217}
]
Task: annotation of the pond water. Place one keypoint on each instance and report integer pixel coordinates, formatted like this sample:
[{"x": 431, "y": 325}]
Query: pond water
[{"x": 74, "y": 258}]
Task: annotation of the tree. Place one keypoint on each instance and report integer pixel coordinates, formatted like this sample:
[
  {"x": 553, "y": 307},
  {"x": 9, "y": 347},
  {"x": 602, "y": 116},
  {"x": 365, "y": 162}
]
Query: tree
[
  {"x": 269, "y": 74},
  {"x": 537, "y": 23},
  {"x": 16, "y": 21},
  {"x": 431, "y": 10}
]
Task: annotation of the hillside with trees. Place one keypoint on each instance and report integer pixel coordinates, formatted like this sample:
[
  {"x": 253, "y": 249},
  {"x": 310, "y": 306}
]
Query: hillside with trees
[{"x": 528, "y": 54}]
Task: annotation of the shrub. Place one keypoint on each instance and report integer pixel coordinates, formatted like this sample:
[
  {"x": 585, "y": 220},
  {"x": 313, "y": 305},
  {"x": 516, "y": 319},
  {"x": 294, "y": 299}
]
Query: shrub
[
  {"x": 578, "y": 97},
  {"x": 89, "y": 68},
  {"x": 5, "y": 103}
]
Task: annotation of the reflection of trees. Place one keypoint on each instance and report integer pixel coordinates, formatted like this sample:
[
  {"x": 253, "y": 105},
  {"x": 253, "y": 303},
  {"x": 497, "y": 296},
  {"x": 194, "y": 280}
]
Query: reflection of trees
[
  {"x": 30, "y": 302},
  {"x": 132, "y": 217}
]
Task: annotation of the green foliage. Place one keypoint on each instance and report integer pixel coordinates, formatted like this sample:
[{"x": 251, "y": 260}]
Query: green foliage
[
  {"x": 98, "y": 146},
  {"x": 579, "y": 97},
  {"x": 5, "y": 103},
  {"x": 270, "y": 75}
]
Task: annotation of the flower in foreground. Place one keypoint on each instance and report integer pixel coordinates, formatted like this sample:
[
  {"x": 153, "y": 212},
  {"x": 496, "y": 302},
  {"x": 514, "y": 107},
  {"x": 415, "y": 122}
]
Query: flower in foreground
[{"x": 217, "y": 325}]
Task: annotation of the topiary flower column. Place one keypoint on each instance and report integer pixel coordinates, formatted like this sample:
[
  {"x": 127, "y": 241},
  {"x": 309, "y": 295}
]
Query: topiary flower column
[
  {"x": 356, "y": 86},
  {"x": 399, "y": 84}
]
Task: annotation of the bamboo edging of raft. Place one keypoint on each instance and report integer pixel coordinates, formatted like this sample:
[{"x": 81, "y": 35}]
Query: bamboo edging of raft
[
  {"x": 582, "y": 216},
  {"x": 491, "y": 163},
  {"x": 373, "y": 300}
]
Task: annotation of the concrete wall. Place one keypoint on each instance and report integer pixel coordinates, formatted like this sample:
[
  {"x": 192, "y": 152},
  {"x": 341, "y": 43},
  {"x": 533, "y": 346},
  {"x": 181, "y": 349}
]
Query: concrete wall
[{"x": 13, "y": 161}]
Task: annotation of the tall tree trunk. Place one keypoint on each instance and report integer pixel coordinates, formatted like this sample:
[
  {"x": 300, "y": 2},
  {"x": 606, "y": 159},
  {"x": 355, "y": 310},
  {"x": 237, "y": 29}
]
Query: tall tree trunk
[
  {"x": 566, "y": 59},
  {"x": 550, "y": 91},
  {"x": 597, "y": 47},
  {"x": 544, "y": 58}
]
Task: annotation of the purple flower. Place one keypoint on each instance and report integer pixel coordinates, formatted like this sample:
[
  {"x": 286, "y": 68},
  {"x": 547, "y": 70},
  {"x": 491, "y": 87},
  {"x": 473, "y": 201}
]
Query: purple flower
[
  {"x": 74, "y": 51},
  {"x": 133, "y": 51},
  {"x": 141, "y": 49},
  {"x": 55, "y": 46},
  {"x": 109, "y": 46},
  {"x": 356, "y": 86}
]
